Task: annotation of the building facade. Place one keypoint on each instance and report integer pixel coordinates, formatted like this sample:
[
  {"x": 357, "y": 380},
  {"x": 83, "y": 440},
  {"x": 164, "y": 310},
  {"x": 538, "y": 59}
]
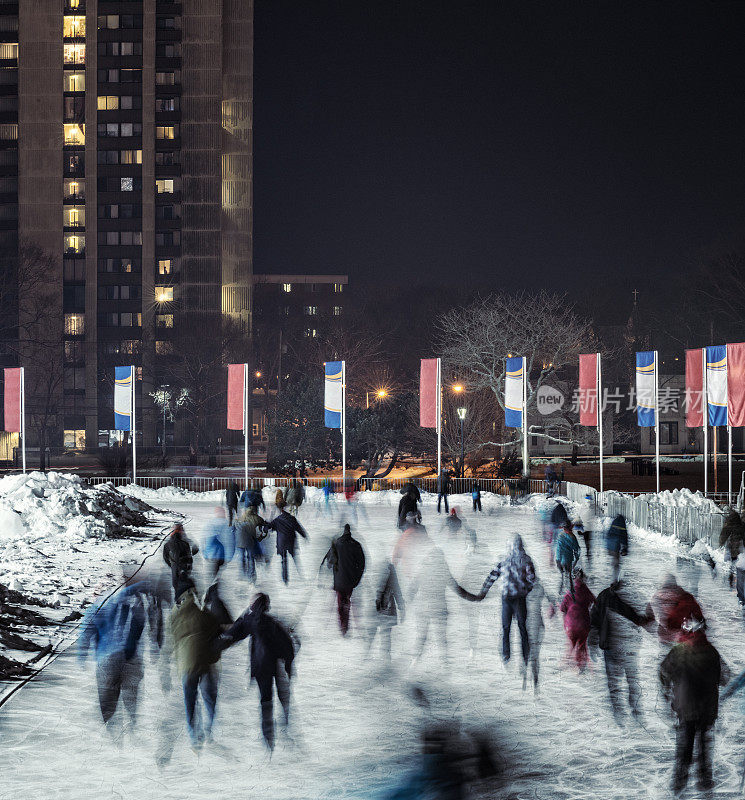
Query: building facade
[{"x": 126, "y": 159}]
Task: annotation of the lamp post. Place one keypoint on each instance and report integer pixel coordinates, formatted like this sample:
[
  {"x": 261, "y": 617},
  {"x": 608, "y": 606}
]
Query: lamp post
[
  {"x": 379, "y": 393},
  {"x": 462, "y": 416}
]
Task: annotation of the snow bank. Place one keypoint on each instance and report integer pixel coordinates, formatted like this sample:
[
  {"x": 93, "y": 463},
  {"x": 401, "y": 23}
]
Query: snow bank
[{"x": 682, "y": 498}]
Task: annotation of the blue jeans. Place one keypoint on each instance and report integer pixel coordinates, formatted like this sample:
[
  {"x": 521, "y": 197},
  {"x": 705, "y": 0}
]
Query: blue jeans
[
  {"x": 440, "y": 497},
  {"x": 206, "y": 682},
  {"x": 247, "y": 562}
]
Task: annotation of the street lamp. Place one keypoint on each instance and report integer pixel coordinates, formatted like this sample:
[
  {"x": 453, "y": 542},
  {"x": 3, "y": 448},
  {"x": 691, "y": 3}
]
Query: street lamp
[
  {"x": 458, "y": 388},
  {"x": 462, "y": 416},
  {"x": 379, "y": 393}
]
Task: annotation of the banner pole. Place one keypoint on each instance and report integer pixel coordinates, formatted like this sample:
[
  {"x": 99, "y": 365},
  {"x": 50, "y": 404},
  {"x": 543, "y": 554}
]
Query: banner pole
[
  {"x": 245, "y": 425},
  {"x": 134, "y": 428},
  {"x": 344, "y": 425},
  {"x": 729, "y": 464},
  {"x": 599, "y": 409},
  {"x": 438, "y": 411},
  {"x": 657, "y": 416},
  {"x": 23, "y": 417},
  {"x": 704, "y": 419},
  {"x": 526, "y": 466}
]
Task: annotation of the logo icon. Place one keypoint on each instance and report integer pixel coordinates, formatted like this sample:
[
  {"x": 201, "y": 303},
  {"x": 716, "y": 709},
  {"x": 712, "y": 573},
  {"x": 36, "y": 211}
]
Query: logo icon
[{"x": 549, "y": 400}]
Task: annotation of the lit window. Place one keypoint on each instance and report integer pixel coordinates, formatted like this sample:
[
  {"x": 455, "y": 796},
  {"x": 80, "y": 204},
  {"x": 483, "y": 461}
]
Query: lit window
[
  {"x": 73, "y": 216},
  {"x": 74, "y": 324},
  {"x": 127, "y": 184},
  {"x": 9, "y": 132},
  {"x": 164, "y": 320},
  {"x": 74, "y": 243},
  {"x": 74, "y": 81},
  {"x": 310, "y": 311},
  {"x": 74, "y": 440},
  {"x": 164, "y": 185},
  {"x": 74, "y": 133},
  {"x": 108, "y": 102},
  {"x": 164, "y": 266},
  {"x": 311, "y": 333},
  {"x": 337, "y": 311},
  {"x": 287, "y": 287},
  {"x": 74, "y": 188},
  {"x": 166, "y": 131},
  {"x": 74, "y": 53},
  {"x": 338, "y": 288},
  {"x": 163, "y": 348},
  {"x": 163, "y": 294},
  {"x": 73, "y": 26},
  {"x": 8, "y": 51},
  {"x": 130, "y": 156}
]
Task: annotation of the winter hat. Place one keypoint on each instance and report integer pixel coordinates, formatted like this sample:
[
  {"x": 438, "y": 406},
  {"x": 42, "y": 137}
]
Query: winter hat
[{"x": 347, "y": 529}]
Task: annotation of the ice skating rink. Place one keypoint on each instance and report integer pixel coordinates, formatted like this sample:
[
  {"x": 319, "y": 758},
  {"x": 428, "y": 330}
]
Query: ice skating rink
[{"x": 355, "y": 723}]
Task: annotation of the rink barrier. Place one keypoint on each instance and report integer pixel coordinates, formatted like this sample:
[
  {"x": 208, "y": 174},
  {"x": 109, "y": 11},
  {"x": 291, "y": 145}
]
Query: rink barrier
[
  {"x": 502, "y": 486},
  {"x": 687, "y": 523}
]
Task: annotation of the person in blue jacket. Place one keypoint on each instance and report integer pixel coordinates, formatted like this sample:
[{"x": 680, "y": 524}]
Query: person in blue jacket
[
  {"x": 219, "y": 545},
  {"x": 617, "y": 544},
  {"x": 476, "y": 496},
  {"x": 252, "y": 497},
  {"x": 114, "y": 626},
  {"x": 567, "y": 555}
]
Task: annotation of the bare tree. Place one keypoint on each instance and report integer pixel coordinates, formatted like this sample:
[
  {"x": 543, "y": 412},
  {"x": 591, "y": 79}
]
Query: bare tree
[{"x": 475, "y": 341}]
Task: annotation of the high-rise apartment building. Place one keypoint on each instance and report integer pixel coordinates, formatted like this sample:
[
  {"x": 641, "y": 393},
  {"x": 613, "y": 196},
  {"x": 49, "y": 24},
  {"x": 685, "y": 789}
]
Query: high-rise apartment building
[{"x": 126, "y": 158}]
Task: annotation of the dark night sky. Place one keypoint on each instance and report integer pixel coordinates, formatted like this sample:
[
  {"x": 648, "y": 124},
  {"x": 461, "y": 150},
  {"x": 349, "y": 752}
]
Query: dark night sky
[{"x": 497, "y": 143}]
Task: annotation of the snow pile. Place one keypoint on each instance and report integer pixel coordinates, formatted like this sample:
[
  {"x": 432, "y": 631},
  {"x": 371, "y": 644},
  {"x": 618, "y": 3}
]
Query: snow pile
[
  {"x": 57, "y": 506},
  {"x": 682, "y": 498},
  {"x": 172, "y": 494}
]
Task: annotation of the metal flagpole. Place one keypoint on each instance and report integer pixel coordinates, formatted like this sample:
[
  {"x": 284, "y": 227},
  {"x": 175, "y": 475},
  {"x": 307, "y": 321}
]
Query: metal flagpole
[
  {"x": 729, "y": 464},
  {"x": 23, "y": 417},
  {"x": 438, "y": 411},
  {"x": 705, "y": 419},
  {"x": 133, "y": 427},
  {"x": 657, "y": 417},
  {"x": 344, "y": 425},
  {"x": 599, "y": 408},
  {"x": 245, "y": 425},
  {"x": 526, "y": 467}
]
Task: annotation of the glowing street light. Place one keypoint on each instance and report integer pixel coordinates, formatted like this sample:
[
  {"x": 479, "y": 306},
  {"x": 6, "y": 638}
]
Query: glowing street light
[
  {"x": 462, "y": 416},
  {"x": 379, "y": 393},
  {"x": 458, "y": 388}
]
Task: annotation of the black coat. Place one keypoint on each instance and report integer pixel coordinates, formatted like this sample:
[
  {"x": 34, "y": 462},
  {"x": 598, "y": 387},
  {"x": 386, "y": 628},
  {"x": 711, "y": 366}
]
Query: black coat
[
  {"x": 178, "y": 552},
  {"x": 733, "y": 534},
  {"x": 270, "y": 642},
  {"x": 231, "y": 496},
  {"x": 691, "y": 674},
  {"x": 607, "y": 603},
  {"x": 406, "y": 505},
  {"x": 617, "y": 538},
  {"x": 347, "y": 558},
  {"x": 287, "y": 528},
  {"x": 443, "y": 483},
  {"x": 413, "y": 490},
  {"x": 389, "y": 596}
]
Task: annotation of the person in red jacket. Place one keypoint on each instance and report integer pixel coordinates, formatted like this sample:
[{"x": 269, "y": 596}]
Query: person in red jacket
[
  {"x": 576, "y": 611},
  {"x": 670, "y": 606}
]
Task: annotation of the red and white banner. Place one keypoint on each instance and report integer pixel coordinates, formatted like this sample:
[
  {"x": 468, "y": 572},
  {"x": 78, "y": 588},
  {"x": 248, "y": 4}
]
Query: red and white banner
[
  {"x": 13, "y": 400},
  {"x": 236, "y": 395},
  {"x": 736, "y": 385},
  {"x": 694, "y": 388},
  {"x": 429, "y": 389},
  {"x": 588, "y": 389}
]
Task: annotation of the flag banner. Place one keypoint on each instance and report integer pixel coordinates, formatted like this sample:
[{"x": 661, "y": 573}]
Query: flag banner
[
  {"x": 123, "y": 398},
  {"x": 645, "y": 389},
  {"x": 428, "y": 390},
  {"x": 513, "y": 393},
  {"x": 236, "y": 378},
  {"x": 333, "y": 395},
  {"x": 12, "y": 400},
  {"x": 716, "y": 384},
  {"x": 736, "y": 385},
  {"x": 588, "y": 389},
  {"x": 694, "y": 388}
]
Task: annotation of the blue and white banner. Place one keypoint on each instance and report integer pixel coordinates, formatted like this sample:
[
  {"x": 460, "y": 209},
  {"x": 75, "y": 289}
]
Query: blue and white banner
[
  {"x": 333, "y": 396},
  {"x": 646, "y": 381},
  {"x": 716, "y": 384},
  {"x": 513, "y": 392},
  {"x": 123, "y": 398}
]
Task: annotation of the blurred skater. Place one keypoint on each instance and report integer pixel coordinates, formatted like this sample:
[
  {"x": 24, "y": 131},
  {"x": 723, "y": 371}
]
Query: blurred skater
[
  {"x": 567, "y": 555},
  {"x": 576, "y": 610},
  {"x": 691, "y": 675},
  {"x": 271, "y": 656},
  {"x": 250, "y": 532},
  {"x": 589, "y": 523},
  {"x": 178, "y": 553},
  {"x": 219, "y": 543},
  {"x": 732, "y": 538},
  {"x": 614, "y": 628},
  {"x": 518, "y": 577},
  {"x": 287, "y": 528},
  {"x": 670, "y": 606},
  {"x": 617, "y": 545},
  {"x": 536, "y": 628},
  {"x": 476, "y": 496},
  {"x": 390, "y": 609},
  {"x": 231, "y": 500},
  {"x": 347, "y": 560},
  {"x": 408, "y": 504},
  {"x": 443, "y": 489}
]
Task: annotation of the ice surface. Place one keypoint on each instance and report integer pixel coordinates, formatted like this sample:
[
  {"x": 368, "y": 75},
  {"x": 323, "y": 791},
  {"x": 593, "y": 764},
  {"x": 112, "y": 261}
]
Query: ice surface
[{"x": 354, "y": 725}]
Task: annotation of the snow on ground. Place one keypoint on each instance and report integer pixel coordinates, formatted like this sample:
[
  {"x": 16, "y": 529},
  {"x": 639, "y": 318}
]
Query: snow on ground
[{"x": 354, "y": 728}]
